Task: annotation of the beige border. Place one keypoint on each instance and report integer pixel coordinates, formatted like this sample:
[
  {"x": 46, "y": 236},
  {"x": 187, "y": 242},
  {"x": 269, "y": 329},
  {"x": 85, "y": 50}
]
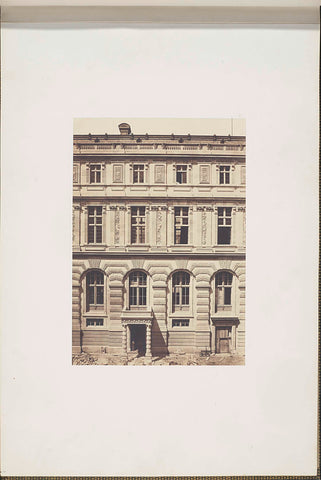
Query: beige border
[{"x": 161, "y": 14}]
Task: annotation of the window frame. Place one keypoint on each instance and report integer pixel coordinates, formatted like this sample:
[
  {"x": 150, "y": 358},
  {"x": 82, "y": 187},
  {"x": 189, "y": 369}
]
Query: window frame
[
  {"x": 139, "y": 169},
  {"x": 179, "y": 224},
  {"x": 139, "y": 227},
  {"x": 94, "y": 169},
  {"x": 93, "y": 286},
  {"x": 224, "y": 175},
  {"x": 224, "y": 285},
  {"x": 95, "y": 226},
  {"x": 179, "y": 291},
  {"x": 224, "y": 224},
  {"x": 140, "y": 287},
  {"x": 181, "y": 169},
  {"x": 180, "y": 321}
]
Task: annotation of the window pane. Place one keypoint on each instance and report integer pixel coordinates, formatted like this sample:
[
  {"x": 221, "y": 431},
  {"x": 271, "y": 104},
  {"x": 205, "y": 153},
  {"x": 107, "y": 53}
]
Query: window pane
[
  {"x": 227, "y": 296},
  {"x": 184, "y": 235},
  {"x": 224, "y": 235},
  {"x": 100, "y": 295},
  {"x": 91, "y": 296},
  {"x": 133, "y": 296},
  {"x": 185, "y": 295},
  {"x": 98, "y": 234},
  {"x": 142, "y": 296},
  {"x": 99, "y": 278},
  {"x": 90, "y": 234}
]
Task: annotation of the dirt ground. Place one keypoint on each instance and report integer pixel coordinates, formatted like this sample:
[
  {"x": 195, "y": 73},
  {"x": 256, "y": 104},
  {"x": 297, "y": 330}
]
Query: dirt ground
[{"x": 172, "y": 359}]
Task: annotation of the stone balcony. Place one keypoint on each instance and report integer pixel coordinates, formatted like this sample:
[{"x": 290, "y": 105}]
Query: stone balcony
[{"x": 121, "y": 149}]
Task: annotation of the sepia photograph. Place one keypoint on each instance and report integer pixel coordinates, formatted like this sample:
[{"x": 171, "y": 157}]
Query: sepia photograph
[{"x": 158, "y": 242}]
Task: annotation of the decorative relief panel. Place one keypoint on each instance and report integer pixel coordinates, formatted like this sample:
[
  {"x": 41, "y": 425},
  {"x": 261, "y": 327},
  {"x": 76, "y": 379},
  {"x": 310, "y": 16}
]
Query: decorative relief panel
[
  {"x": 117, "y": 227},
  {"x": 75, "y": 174},
  {"x": 204, "y": 226},
  {"x": 204, "y": 174},
  {"x": 159, "y": 221},
  {"x": 118, "y": 173},
  {"x": 159, "y": 173}
]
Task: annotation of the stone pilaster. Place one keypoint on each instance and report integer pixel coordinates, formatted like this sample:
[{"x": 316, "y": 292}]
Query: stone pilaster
[
  {"x": 124, "y": 341},
  {"x": 202, "y": 313}
]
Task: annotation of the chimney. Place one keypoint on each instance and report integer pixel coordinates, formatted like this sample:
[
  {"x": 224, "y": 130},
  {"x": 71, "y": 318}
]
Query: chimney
[{"x": 124, "y": 129}]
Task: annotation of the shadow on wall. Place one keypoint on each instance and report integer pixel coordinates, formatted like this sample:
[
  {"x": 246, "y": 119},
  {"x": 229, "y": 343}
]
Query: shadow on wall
[{"x": 159, "y": 344}]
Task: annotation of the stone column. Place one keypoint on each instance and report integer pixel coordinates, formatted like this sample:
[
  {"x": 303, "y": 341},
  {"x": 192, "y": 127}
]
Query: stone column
[
  {"x": 124, "y": 341},
  {"x": 148, "y": 341},
  {"x": 104, "y": 225}
]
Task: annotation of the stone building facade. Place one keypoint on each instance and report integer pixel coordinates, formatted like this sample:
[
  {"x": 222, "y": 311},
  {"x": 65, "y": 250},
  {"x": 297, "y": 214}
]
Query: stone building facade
[{"x": 158, "y": 243}]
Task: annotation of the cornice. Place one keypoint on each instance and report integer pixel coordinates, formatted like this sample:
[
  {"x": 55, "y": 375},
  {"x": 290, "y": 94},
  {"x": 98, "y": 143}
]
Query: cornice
[{"x": 127, "y": 255}]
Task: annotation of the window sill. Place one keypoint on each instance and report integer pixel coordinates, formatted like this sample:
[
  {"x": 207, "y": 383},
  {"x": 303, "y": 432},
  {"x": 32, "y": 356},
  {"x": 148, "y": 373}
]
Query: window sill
[
  {"x": 95, "y": 313},
  {"x": 92, "y": 328}
]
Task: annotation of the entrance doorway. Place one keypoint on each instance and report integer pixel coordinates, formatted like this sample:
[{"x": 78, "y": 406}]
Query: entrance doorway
[
  {"x": 223, "y": 339},
  {"x": 138, "y": 338}
]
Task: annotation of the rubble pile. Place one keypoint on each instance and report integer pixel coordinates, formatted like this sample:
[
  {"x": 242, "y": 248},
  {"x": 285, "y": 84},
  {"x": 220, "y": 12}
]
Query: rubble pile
[{"x": 171, "y": 359}]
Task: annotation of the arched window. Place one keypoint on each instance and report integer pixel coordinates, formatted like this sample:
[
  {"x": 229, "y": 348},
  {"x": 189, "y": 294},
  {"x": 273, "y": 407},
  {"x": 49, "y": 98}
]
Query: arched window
[
  {"x": 137, "y": 289},
  {"x": 223, "y": 291},
  {"x": 94, "y": 290},
  {"x": 180, "y": 291}
]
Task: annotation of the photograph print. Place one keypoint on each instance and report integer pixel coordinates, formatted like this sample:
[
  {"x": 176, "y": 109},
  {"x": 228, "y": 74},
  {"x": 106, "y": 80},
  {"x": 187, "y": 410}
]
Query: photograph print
[{"x": 158, "y": 269}]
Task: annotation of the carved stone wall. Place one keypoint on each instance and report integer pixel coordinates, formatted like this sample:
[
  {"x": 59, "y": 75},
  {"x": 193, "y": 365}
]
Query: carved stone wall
[
  {"x": 118, "y": 174},
  {"x": 159, "y": 173}
]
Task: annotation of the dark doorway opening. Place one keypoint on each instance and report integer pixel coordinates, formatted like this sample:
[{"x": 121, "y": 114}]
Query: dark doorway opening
[{"x": 138, "y": 338}]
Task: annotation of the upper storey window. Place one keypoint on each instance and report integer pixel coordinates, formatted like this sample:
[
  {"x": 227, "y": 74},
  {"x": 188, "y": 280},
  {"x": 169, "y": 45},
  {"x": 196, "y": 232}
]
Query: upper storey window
[
  {"x": 138, "y": 224},
  {"x": 181, "y": 225},
  {"x": 138, "y": 173},
  {"x": 181, "y": 173},
  {"x": 95, "y": 173},
  {"x": 224, "y": 225},
  {"x": 224, "y": 175},
  {"x": 95, "y": 224}
]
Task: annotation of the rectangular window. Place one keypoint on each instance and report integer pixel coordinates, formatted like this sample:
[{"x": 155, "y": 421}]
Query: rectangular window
[
  {"x": 137, "y": 289},
  {"x": 181, "y": 225},
  {"x": 223, "y": 291},
  {"x": 181, "y": 173},
  {"x": 138, "y": 222},
  {"x": 180, "y": 291},
  {"x": 180, "y": 323},
  {"x": 94, "y": 322},
  {"x": 95, "y": 224},
  {"x": 224, "y": 175},
  {"x": 224, "y": 225},
  {"x": 95, "y": 173},
  {"x": 138, "y": 173}
]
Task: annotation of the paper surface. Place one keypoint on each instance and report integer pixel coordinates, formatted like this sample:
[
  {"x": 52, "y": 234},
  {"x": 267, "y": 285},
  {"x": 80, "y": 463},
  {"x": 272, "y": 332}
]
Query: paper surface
[{"x": 64, "y": 420}]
